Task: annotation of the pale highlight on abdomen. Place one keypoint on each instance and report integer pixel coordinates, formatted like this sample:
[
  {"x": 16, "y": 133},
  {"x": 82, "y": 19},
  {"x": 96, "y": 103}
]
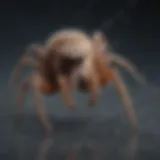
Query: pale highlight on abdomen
[{"x": 70, "y": 42}]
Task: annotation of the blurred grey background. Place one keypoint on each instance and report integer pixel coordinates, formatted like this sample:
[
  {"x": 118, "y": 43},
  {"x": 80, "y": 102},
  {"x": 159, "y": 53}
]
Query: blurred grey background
[{"x": 132, "y": 27}]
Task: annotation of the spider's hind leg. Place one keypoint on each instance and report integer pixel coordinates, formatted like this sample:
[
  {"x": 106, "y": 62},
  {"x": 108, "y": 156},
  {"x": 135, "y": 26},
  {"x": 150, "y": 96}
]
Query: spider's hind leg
[{"x": 126, "y": 100}]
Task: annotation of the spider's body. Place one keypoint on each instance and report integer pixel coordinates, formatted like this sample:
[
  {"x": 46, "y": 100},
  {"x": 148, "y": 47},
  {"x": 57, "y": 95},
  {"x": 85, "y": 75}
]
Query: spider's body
[
  {"x": 50, "y": 85},
  {"x": 71, "y": 59}
]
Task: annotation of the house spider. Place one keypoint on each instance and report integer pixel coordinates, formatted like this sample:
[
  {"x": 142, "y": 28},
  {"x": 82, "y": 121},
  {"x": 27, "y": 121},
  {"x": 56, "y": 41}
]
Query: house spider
[{"x": 71, "y": 59}]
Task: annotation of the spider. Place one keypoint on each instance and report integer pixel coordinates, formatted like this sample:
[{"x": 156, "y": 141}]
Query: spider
[{"x": 72, "y": 59}]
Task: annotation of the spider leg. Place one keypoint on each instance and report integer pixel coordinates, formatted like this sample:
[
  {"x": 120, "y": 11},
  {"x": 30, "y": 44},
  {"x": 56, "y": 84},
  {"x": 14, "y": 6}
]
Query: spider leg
[
  {"x": 122, "y": 62},
  {"x": 24, "y": 62},
  {"x": 94, "y": 86},
  {"x": 44, "y": 148},
  {"x": 36, "y": 82},
  {"x": 24, "y": 88},
  {"x": 36, "y": 49},
  {"x": 27, "y": 61},
  {"x": 65, "y": 89},
  {"x": 126, "y": 99}
]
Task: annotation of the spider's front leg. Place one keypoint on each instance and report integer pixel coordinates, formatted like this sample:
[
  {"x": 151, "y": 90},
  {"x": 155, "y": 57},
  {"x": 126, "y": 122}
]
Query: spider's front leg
[
  {"x": 64, "y": 82},
  {"x": 65, "y": 89},
  {"x": 94, "y": 86}
]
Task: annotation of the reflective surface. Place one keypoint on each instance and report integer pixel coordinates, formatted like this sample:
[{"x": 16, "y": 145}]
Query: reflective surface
[{"x": 76, "y": 139}]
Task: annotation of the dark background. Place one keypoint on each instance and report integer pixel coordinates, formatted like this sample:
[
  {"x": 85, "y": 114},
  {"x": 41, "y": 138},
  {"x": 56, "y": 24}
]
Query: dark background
[{"x": 133, "y": 29}]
